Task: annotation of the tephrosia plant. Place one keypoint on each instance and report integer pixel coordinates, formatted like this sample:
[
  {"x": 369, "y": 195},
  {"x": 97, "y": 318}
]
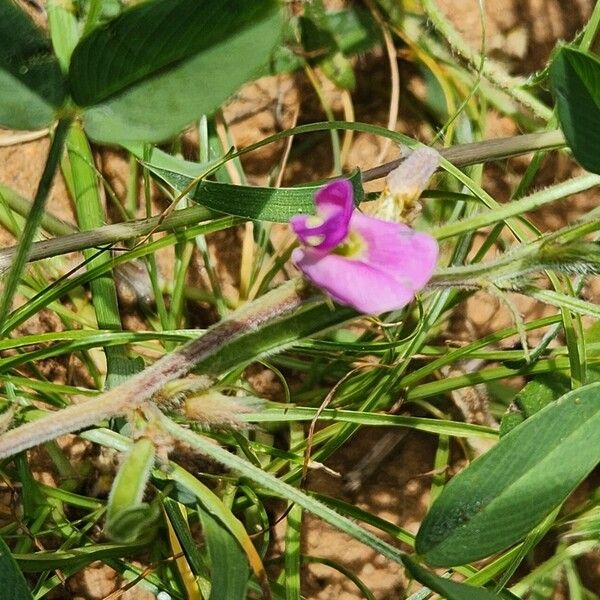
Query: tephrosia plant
[{"x": 359, "y": 305}]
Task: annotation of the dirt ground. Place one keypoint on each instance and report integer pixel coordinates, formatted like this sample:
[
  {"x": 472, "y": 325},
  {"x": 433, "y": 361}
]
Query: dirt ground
[{"x": 521, "y": 33}]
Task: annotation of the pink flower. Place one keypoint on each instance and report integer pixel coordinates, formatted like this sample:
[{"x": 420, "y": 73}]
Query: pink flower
[{"x": 372, "y": 265}]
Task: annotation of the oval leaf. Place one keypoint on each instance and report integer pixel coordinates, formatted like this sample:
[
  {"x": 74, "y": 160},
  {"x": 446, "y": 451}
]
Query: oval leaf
[
  {"x": 505, "y": 493},
  {"x": 160, "y": 65},
  {"x": 575, "y": 77},
  {"x": 31, "y": 83}
]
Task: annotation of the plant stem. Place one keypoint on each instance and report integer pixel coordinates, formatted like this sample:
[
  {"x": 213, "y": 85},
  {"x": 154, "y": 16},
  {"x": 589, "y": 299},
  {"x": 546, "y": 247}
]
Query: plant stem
[
  {"x": 469, "y": 154},
  {"x": 109, "y": 234},
  {"x": 513, "y": 209},
  {"x": 90, "y": 215},
  {"x": 139, "y": 389},
  {"x": 460, "y": 155},
  {"x": 21, "y": 206},
  {"x": 589, "y": 39},
  {"x": 35, "y": 216}
]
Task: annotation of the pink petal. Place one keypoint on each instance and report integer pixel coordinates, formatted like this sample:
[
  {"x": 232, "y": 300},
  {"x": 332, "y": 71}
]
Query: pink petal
[
  {"x": 352, "y": 282},
  {"x": 394, "y": 265},
  {"x": 334, "y": 204},
  {"x": 405, "y": 254}
]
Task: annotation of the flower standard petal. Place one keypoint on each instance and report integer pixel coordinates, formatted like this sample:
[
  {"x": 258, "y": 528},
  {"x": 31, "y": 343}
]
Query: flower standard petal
[{"x": 329, "y": 228}]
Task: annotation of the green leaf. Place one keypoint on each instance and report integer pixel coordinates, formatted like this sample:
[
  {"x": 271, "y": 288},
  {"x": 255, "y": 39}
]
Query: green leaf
[
  {"x": 575, "y": 78},
  {"x": 64, "y": 30},
  {"x": 228, "y": 564},
  {"x": 163, "y": 63},
  {"x": 31, "y": 83},
  {"x": 175, "y": 513},
  {"x": 339, "y": 69},
  {"x": 504, "y": 494},
  {"x": 14, "y": 586},
  {"x": 127, "y": 517},
  {"x": 255, "y": 203},
  {"x": 451, "y": 590},
  {"x": 318, "y": 40},
  {"x": 536, "y": 394},
  {"x": 353, "y": 30}
]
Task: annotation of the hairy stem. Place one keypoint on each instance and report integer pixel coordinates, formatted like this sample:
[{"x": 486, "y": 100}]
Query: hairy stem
[
  {"x": 492, "y": 71},
  {"x": 139, "y": 389}
]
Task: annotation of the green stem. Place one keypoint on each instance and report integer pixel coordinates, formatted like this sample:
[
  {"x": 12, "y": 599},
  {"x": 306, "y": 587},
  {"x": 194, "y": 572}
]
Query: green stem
[
  {"x": 35, "y": 216},
  {"x": 22, "y": 207},
  {"x": 588, "y": 41},
  {"x": 529, "y": 203},
  {"x": 90, "y": 215}
]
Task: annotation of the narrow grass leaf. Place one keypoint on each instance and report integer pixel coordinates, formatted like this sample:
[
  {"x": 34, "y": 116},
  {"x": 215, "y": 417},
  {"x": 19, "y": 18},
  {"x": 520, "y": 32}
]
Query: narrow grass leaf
[
  {"x": 302, "y": 413},
  {"x": 293, "y": 553},
  {"x": 79, "y": 556},
  {"x": 508, "y": 491},
  {"x": 33, "y": 220},
  {"x": 195, "y": 588},
  {"x": 228, "y": 563},
  {"x": 174, "y": 511}
]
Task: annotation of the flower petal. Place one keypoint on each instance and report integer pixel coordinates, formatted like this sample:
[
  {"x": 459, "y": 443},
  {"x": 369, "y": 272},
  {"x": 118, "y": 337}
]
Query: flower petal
[
  {"x": 334, "y": 204},
  {"x": 353, "y": 282},
  {"x": 406, "y": 255}
]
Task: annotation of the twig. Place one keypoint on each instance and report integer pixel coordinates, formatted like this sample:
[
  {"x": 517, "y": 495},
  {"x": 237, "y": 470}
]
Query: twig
[{"x": 464, "y": 155}]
